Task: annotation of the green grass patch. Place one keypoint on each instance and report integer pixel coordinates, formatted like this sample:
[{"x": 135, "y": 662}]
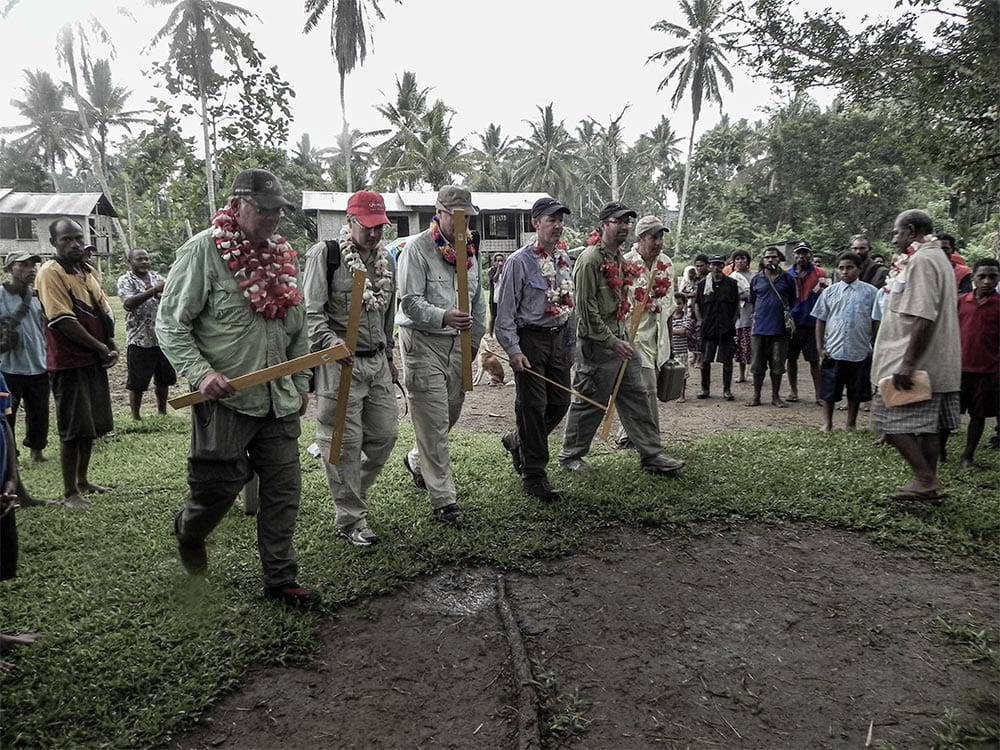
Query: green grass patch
[{"x": 133, "y": 650}]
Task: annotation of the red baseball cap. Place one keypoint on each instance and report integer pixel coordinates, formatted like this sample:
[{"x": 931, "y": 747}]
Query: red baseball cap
[{"x": 368, "y": 207}]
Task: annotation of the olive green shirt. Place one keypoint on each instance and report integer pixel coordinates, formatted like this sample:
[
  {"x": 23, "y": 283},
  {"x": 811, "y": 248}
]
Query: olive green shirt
[
  {"x": 596, "y": 304},
  {"x": 205, "y": 325}
]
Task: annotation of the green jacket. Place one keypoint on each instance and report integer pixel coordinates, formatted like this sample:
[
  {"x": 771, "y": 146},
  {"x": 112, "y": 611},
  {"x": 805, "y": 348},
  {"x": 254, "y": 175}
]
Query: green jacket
[{"x": 596, "y": 304}]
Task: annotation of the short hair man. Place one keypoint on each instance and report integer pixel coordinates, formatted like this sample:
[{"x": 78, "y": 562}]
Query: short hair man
[
  {"x": 919, "y": 331},
  {"x": 772, "y": 292},
  {"x": 536, "y": 326},
  {"x": 871, "y": 272},
  {"x": 979, "y": 324},
  {"x": 810, "y": 280},
  {"x": 963, "y": 274},
  {"x": 602, "y": 278},
  {"x": 80, "y": 348},
  {"x": 140, "y": 289},
  {"x": 371, "y": 428},
  {"x": 231, "y": 307},
  {"x": 844, "y": 333},
  {"x": 24, "y": 366},
  {"x": 429, "y": 324},
  {"x": 717, "y": 307}
]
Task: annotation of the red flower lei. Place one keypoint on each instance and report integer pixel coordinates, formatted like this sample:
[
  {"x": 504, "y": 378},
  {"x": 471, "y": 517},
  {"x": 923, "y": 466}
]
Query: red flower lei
[
  {"x": 661, "y": 285},
  {"x": 620, "y": 277},
  {"x": 265, "y": 274},
  {"x": 559, "y": 295},
  {"x": 445, "y": 248}
]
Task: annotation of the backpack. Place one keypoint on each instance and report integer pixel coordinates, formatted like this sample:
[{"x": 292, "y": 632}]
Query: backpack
[{"x": 332, "y": 258}]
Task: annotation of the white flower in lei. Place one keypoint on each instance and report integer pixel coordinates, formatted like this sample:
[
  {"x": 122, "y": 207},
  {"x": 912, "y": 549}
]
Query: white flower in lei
[
  {"x": 377, "y": 292},
  {"x": 559, "y": 294}
]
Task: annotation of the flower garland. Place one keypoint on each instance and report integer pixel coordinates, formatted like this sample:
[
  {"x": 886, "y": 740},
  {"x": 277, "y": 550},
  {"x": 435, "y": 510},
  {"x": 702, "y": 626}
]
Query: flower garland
[
  {"x": 559, "y": 295},
  {"x": 620, "y": 277},
  {"x": 661, "y": 285},
  {"x": 445, "y": 248},
  {"x": 265, "y": 274},
  {"x": 378, "y": 293}
]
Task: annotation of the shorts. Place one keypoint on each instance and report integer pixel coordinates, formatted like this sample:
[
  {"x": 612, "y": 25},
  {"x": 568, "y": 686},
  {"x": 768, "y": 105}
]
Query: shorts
[
  {"x": 83, "y": 402},
  {"x": 719, "y": 350},
  {"x": 940, "y": 414},
  {"x": 768, "y": 352},
  {"x": 980, "y": 394},
  {"x": 803, "y": 341},
  {"x": 835, "y": 374},
  {"x": 147, "y": 363}
]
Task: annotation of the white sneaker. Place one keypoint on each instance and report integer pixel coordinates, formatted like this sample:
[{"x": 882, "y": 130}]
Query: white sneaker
[{"x": 359, "y": 536}]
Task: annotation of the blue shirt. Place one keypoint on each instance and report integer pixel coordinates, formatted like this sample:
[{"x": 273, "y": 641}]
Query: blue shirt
[
  {"x": 769, "y": 308},
  {"x": 523, "y": 300},
  {"x": 28, "y": 357},
  {"x": 847, "y": 310}
]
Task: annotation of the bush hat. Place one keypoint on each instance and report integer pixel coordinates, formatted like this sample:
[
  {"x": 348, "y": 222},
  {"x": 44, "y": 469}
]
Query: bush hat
[
  {"x": 452, "y": 198},
  {"x": 649, "y": 224}
]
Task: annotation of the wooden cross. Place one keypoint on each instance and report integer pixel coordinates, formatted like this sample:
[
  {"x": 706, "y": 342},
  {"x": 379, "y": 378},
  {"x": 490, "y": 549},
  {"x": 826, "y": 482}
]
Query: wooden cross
[
  {"x": 347, "y": 371},
  {"x": 462, "y": 279}
]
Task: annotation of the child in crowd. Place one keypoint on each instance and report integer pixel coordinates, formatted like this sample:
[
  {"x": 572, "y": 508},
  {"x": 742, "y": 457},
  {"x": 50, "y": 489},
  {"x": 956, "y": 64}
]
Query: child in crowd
[
  {"x": 844, "y": 335},
  {"x": 681, "y": 330},
  {"x": 979, "y": 329}
]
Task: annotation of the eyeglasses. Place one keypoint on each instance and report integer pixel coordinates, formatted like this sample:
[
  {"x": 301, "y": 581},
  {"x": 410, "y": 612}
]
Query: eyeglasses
[
  {"x": 279, "y": 211},
  {"x": 357, "y": 222},
  {"x": 623, "y": 222}
]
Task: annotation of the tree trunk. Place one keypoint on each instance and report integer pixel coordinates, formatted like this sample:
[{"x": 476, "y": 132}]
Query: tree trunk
[
  {"x": 346, "y": 139},
  {"x": 684, "y": 190},
  {"x": 209, "y": 167}
]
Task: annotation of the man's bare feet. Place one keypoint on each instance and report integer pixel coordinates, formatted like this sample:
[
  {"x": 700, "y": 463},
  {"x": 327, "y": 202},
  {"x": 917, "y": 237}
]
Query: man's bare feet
[
  {"x": 777, "y": 402},
  {"x": 967, "y": 463},
  {"x": 75, "y": 501},
  {"x": 7, "y": 642},
  {"x": 753, "y": 402},
  {"x": 682, "y": 401},
  {"x": 878, "y": 442},
  {"x": 826, "y": 428},
  {"x": 91, "y": 488},
  {"x": 26, "y": 501}
]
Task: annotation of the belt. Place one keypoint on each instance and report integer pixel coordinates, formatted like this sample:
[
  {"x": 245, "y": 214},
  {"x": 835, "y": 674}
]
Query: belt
[
  {"x": 551, "y": 330},
  {"x": 371, "y": 352}
]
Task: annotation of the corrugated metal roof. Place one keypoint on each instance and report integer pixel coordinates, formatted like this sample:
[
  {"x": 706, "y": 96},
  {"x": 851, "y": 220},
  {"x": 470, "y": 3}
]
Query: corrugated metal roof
[
  {"x": 405, "y": 201},
  {"x": 56, "y": 204}
]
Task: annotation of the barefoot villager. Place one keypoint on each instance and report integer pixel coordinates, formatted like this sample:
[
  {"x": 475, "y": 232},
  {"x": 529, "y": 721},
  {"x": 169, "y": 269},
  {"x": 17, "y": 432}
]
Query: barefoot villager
[
  {"x": 23, "y": 364},
  {"x": 536, "y": 326},
  {"x": 772, "y": 294},
  {"x": 919, "y": 331},
  {"x": 429, "y": 321},
  {"x": 979, "y": 323},
  {"x": 80, "y": 348},
  {"x": 140, "y": 289},
  {"x": 372, "y": 417},
  {"x": 601, "y": 277},
  {"x": 232, "y": 306}
]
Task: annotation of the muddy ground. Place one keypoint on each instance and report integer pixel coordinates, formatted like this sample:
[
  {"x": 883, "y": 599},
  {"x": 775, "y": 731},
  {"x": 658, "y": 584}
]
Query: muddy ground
[{"x": 752, "y": 637}]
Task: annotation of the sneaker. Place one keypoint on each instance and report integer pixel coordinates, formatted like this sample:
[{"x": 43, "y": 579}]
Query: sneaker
[
  {"x": 509, "y": 443},
  {"x": 703, "y": 394},
  {"x": 728, "y": 395},
  {"x": 293, "y": 595},
  {"x": 665, "y": 465},
  {"x": 541, "y": 489},
  {"x": 359, "y": 536},
  {"x": 418, "y": 478},
  {"x": 194, "y": 558},
  {"x": 575, "y": 464},
  {"x": 449, "y": 514}
]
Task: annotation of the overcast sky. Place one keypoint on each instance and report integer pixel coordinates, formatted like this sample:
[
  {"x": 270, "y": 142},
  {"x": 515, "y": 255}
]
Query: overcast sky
[{"x": 490, "y": 62}]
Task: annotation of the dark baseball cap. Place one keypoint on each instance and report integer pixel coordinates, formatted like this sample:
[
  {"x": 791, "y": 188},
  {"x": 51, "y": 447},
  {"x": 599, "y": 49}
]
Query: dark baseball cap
[
  {"x": 546, "y": 207},
  {"x": 716, "y": 259},
  {"x": 21, "y": 256},
  {"x": 803, "y": 247},
  {"x": 262, "y": 187},
  {"x": 616, "y": 211}
]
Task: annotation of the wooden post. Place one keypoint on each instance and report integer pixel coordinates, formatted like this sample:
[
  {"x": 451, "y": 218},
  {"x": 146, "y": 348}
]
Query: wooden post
[
  {"x": 347, "y": 371},
  {"x": 462, "y": 279}
]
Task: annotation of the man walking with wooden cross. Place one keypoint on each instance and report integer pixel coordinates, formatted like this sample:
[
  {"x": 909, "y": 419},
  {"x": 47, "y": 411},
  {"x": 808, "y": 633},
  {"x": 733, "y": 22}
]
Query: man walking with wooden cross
[
  {"x": 430, "y": 320},
  {"x": 605, "y": 356},
  {"x": 232, "y": 307},
  {"x": 370, "y": 420}
]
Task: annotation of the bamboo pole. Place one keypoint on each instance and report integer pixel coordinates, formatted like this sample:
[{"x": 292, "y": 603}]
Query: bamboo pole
[
  {"x": 347, "y": 371},
  {"x": 460, "y": 229},
  {"x": 557, "y": 384}
]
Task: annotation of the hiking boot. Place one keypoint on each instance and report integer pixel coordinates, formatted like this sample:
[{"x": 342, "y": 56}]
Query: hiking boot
[
  {"x": 509, "y": 443},
  {"x": 194, "y": 558},
  {"x": 360, "y": 535},
  {"x": 665, "y": 465},
  {"x": 451, "y": 514},
  {"x": 293, "y": 595},
  {"x": 703, "y": 394},
  {"x": 541, "y": 489},
  {"x": 418, "y": 478},
  {"x": 575, "y": 465}
]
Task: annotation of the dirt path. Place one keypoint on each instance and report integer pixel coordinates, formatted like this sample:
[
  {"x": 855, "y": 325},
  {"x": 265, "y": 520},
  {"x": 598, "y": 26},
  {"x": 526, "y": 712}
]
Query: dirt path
[{"x": 751, "y": 637}]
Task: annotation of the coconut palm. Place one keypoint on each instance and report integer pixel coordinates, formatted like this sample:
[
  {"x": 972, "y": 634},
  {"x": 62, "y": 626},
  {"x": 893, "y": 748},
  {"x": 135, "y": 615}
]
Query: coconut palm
[
  {"x": 350, "y": 31},
  {"x": 699, "y": 62},
  {"x": 428, "y": 156},
  {"x": 549, "y": 155},
  {"x": 105, "y": 107},
  {"x": 358, "y": 146},
  {"x": 196, "y": 30},
  {"x": 491, "y": 162},
  {"x": 51, "y": 131}
]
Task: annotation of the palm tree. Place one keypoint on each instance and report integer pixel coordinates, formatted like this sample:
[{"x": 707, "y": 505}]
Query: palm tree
[
  {"x": 549, "y": 155},
  {"x": 105, "y": 107},
  {"x": 196, "y": 29},
  {"x": 491, "y": 170},
  {"x": 51, "y": 131},
  {"x": 358, "y": 148},
  {"x": 428, "y": 155},
  {"x": 700, "y": 61},
  {"x": 349, "y": 38},
  {"x": 404, "y": 116}
]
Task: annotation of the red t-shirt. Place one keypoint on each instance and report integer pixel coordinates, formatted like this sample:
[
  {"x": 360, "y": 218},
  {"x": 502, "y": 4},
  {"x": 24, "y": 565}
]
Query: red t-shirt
[{"x": 979, "y": 327}]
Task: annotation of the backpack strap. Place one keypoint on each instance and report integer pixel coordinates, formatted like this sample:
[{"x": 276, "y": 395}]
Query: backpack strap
[{"x": 332, "y": 258}]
